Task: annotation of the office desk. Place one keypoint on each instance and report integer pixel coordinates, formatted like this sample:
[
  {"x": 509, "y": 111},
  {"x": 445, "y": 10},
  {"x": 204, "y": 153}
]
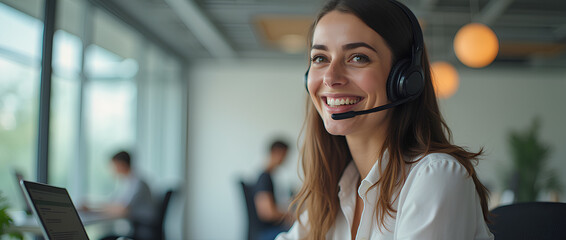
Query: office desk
[{"x": 28, "y": 224}]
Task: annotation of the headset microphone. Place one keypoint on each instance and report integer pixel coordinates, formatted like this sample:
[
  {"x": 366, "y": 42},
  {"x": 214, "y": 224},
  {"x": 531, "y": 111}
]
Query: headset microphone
[{"x": 351, "y": 114}]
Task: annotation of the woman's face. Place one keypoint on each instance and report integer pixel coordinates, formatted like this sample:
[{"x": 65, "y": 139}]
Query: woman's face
[{"x": 350, "y": 63}]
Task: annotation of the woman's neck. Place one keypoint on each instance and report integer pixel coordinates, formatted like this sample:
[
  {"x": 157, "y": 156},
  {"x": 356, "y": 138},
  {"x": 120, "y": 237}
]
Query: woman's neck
[{"x": 365, "y": 150}]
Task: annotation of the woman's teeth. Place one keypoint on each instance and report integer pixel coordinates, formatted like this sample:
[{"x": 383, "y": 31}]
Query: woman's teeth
[{"x": 341, "y": 101}]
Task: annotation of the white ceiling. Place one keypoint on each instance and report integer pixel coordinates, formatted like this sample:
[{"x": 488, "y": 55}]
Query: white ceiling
[{"x": 530, "y": 31}]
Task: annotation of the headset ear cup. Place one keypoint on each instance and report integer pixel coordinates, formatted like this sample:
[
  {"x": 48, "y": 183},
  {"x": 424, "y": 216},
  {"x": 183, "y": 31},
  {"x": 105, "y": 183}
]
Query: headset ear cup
[
  {"x": 413, "y": 82},
  {"x": 394, "y": 79}
]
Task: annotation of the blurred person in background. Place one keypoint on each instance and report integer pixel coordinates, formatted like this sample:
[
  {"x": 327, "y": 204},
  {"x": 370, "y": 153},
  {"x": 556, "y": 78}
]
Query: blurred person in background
[
  {"x": 272, "y": 220},
  {"x": 132, "y": 199}
]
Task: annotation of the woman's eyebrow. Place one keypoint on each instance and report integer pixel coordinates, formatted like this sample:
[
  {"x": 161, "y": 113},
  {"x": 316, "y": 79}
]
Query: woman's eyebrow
[
  {"x": 319, "y": 47},
  {"x": 350, "y": 46}
]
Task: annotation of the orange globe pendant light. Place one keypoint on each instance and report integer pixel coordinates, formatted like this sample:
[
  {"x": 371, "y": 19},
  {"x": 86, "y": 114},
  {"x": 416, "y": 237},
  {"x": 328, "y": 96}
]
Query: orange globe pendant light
[
  {"x": 444, "y": 79},
  {"x": 476, "y": 45}
]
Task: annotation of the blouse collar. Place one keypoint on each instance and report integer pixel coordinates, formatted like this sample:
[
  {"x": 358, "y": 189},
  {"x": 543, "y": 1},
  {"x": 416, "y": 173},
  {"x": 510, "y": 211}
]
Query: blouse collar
[{"x": 351, "y": 176}]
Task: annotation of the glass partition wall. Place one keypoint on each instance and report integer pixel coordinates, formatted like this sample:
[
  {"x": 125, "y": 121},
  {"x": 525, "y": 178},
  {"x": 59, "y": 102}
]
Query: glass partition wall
[
  {"x": 20, "y": 57},
  {"x": 112, "y": 89}
]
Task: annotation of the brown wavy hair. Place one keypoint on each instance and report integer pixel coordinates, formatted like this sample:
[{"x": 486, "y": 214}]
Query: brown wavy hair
[{"x": 417, "y": 128}]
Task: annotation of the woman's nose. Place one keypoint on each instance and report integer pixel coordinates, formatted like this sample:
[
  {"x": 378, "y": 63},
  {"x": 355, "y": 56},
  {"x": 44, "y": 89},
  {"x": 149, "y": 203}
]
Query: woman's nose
[{"x": 334, "y": 75}]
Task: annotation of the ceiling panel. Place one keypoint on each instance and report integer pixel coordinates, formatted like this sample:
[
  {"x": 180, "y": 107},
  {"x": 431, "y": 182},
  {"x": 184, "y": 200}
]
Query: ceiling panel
[{"x": 517, "y": 23}]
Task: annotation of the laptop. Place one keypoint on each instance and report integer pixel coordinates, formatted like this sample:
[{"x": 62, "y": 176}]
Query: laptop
[{"x": 54, "y": 209}]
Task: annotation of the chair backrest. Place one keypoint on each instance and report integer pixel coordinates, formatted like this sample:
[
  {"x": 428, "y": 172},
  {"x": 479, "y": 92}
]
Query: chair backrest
[
  {"x": 162, "y": 211},
  {"x": 253, "y": 220},
  {"x": 531, "y": 220}
]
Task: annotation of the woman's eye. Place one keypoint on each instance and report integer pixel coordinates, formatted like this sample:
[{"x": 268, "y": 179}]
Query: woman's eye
[
  {"x": 317, "y": 59},
  {"x": 360, "y": 58}
]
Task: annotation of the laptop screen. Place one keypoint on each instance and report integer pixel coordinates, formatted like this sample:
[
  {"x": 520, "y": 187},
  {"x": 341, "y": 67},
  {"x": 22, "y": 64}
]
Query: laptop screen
[{"x": 55, "y": 210}]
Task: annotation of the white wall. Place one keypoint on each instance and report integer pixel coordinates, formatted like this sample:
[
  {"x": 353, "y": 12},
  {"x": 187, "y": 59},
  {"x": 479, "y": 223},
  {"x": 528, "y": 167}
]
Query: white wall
[
  {"x": 494, "y": 101},
  {"x": 235, "y": 109}
]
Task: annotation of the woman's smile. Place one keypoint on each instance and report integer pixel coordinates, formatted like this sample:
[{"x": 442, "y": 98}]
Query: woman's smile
[{"x": 340, "y": 104}]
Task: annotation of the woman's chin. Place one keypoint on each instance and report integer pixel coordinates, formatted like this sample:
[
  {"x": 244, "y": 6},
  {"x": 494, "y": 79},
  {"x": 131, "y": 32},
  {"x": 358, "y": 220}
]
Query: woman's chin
[{"x": 337, "y": 127}]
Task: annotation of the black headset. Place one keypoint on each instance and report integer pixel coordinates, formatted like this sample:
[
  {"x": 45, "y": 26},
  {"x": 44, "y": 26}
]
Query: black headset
[{"x": 406, "y": 78}]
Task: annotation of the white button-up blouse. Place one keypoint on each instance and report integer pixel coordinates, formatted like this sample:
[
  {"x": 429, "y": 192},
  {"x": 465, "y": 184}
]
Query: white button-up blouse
[{"x": 437, "y": 202}]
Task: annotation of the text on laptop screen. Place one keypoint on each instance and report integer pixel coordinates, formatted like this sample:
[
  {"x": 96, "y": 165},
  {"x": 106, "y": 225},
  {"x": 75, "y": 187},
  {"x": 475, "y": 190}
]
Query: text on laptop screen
[{"x": 56, "y": 212}]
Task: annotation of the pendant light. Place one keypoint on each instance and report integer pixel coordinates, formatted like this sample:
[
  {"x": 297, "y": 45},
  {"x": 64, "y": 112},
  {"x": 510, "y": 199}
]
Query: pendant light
[{"x": 475, "y": 44}]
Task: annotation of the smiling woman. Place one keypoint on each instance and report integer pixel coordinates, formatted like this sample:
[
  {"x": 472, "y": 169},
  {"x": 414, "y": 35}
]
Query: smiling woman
[{"x": 377, "y": 156}]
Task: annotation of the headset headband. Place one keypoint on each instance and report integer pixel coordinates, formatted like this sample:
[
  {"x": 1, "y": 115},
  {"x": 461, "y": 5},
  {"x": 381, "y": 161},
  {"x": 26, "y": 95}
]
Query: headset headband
[{"x": 418, "y": 42}]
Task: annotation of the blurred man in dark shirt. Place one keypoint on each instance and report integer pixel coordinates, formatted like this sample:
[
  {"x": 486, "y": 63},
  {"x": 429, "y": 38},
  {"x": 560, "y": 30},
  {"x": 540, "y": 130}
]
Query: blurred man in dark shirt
[{"x": 272, "y": 219}]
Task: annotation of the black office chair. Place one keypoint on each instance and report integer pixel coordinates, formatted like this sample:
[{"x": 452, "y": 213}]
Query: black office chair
[
  {"x": 253, "y": 220},
  {"x": 157, "y": 227},
  {"x": 531, "y": 220},
  {"x": 162, "y": 212}
]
